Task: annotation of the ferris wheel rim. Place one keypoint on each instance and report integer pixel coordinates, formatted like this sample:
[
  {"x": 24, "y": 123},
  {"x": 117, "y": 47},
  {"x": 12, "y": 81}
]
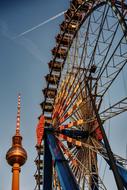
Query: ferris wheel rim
[{"x": 122, "y": 22}]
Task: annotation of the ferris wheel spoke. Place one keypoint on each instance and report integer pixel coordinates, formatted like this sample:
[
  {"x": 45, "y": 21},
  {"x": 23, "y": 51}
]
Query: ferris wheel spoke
[
  {"x": 78, "y": 169},
  {"x": 90, "y": 174},
  {"x": 72, "y": 124},
  {"x": 68, "y": 100},
  {"x": 96, "y": 147},
  {"x": 74, "y": 104},
  {"x": 111, "y": 80},
  {"x": 70, "y": 140},
  {"x": 77, "y": 91},
  {"x": 82, "y": 53},
  {"x": 68, "y": 153},
  {"x": 79, "y": 143},
  {"x": 70, "y": 111},
  {"x": 62, "y": 89},
  {"x": 56, "y": 182},
  {"x": 62, "y": 94},
  {"x": 81, "y": 58}
]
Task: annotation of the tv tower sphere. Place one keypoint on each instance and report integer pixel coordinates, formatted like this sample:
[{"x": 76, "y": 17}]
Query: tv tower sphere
[{"x": 16, "y": 154}]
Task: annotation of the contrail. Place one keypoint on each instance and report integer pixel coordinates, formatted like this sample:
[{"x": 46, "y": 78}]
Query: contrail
[{"x": 39, "y": 25}]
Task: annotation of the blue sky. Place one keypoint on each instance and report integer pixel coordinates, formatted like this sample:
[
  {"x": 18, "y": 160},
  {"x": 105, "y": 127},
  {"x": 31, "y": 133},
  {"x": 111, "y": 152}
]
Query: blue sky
[{"x": 23, "y": 65}]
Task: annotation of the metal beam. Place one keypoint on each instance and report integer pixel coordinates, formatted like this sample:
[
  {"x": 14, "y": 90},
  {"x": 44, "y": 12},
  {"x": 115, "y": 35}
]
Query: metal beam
[
  {"x": 67, "y": 180},
  {"x": 94, "y": 184},
  {"x": 121, "y": 169},
  {"x": 114, "y": 168},
  {"x": 77, "y": 134},
  {"x": 47, "y": 167}
]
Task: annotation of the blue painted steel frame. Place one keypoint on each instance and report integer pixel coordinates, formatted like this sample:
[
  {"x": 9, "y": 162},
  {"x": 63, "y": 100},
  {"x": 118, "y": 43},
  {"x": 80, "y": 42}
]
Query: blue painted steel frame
[
  {"x": 75, "y": 133},
  {"x": 47, "y": 180},
  {"x": 65, "y": 175},
  {"x": 122, "y": 171}
]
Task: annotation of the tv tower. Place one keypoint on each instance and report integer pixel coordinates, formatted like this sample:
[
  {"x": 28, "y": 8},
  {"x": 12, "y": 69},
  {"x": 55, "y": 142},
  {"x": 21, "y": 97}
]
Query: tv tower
[{"x": 16, "y": 155}]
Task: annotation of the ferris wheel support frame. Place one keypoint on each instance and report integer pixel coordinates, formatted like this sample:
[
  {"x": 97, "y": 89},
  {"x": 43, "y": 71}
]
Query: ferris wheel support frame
[
  {"x": 114, "y": 168},
  {"x": 47, "y": 166},
  {"x": 54, "y": 153}
]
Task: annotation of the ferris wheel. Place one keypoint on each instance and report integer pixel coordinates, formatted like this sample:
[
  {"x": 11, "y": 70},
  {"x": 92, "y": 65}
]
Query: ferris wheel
[{"x": 86, "y": 90}]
